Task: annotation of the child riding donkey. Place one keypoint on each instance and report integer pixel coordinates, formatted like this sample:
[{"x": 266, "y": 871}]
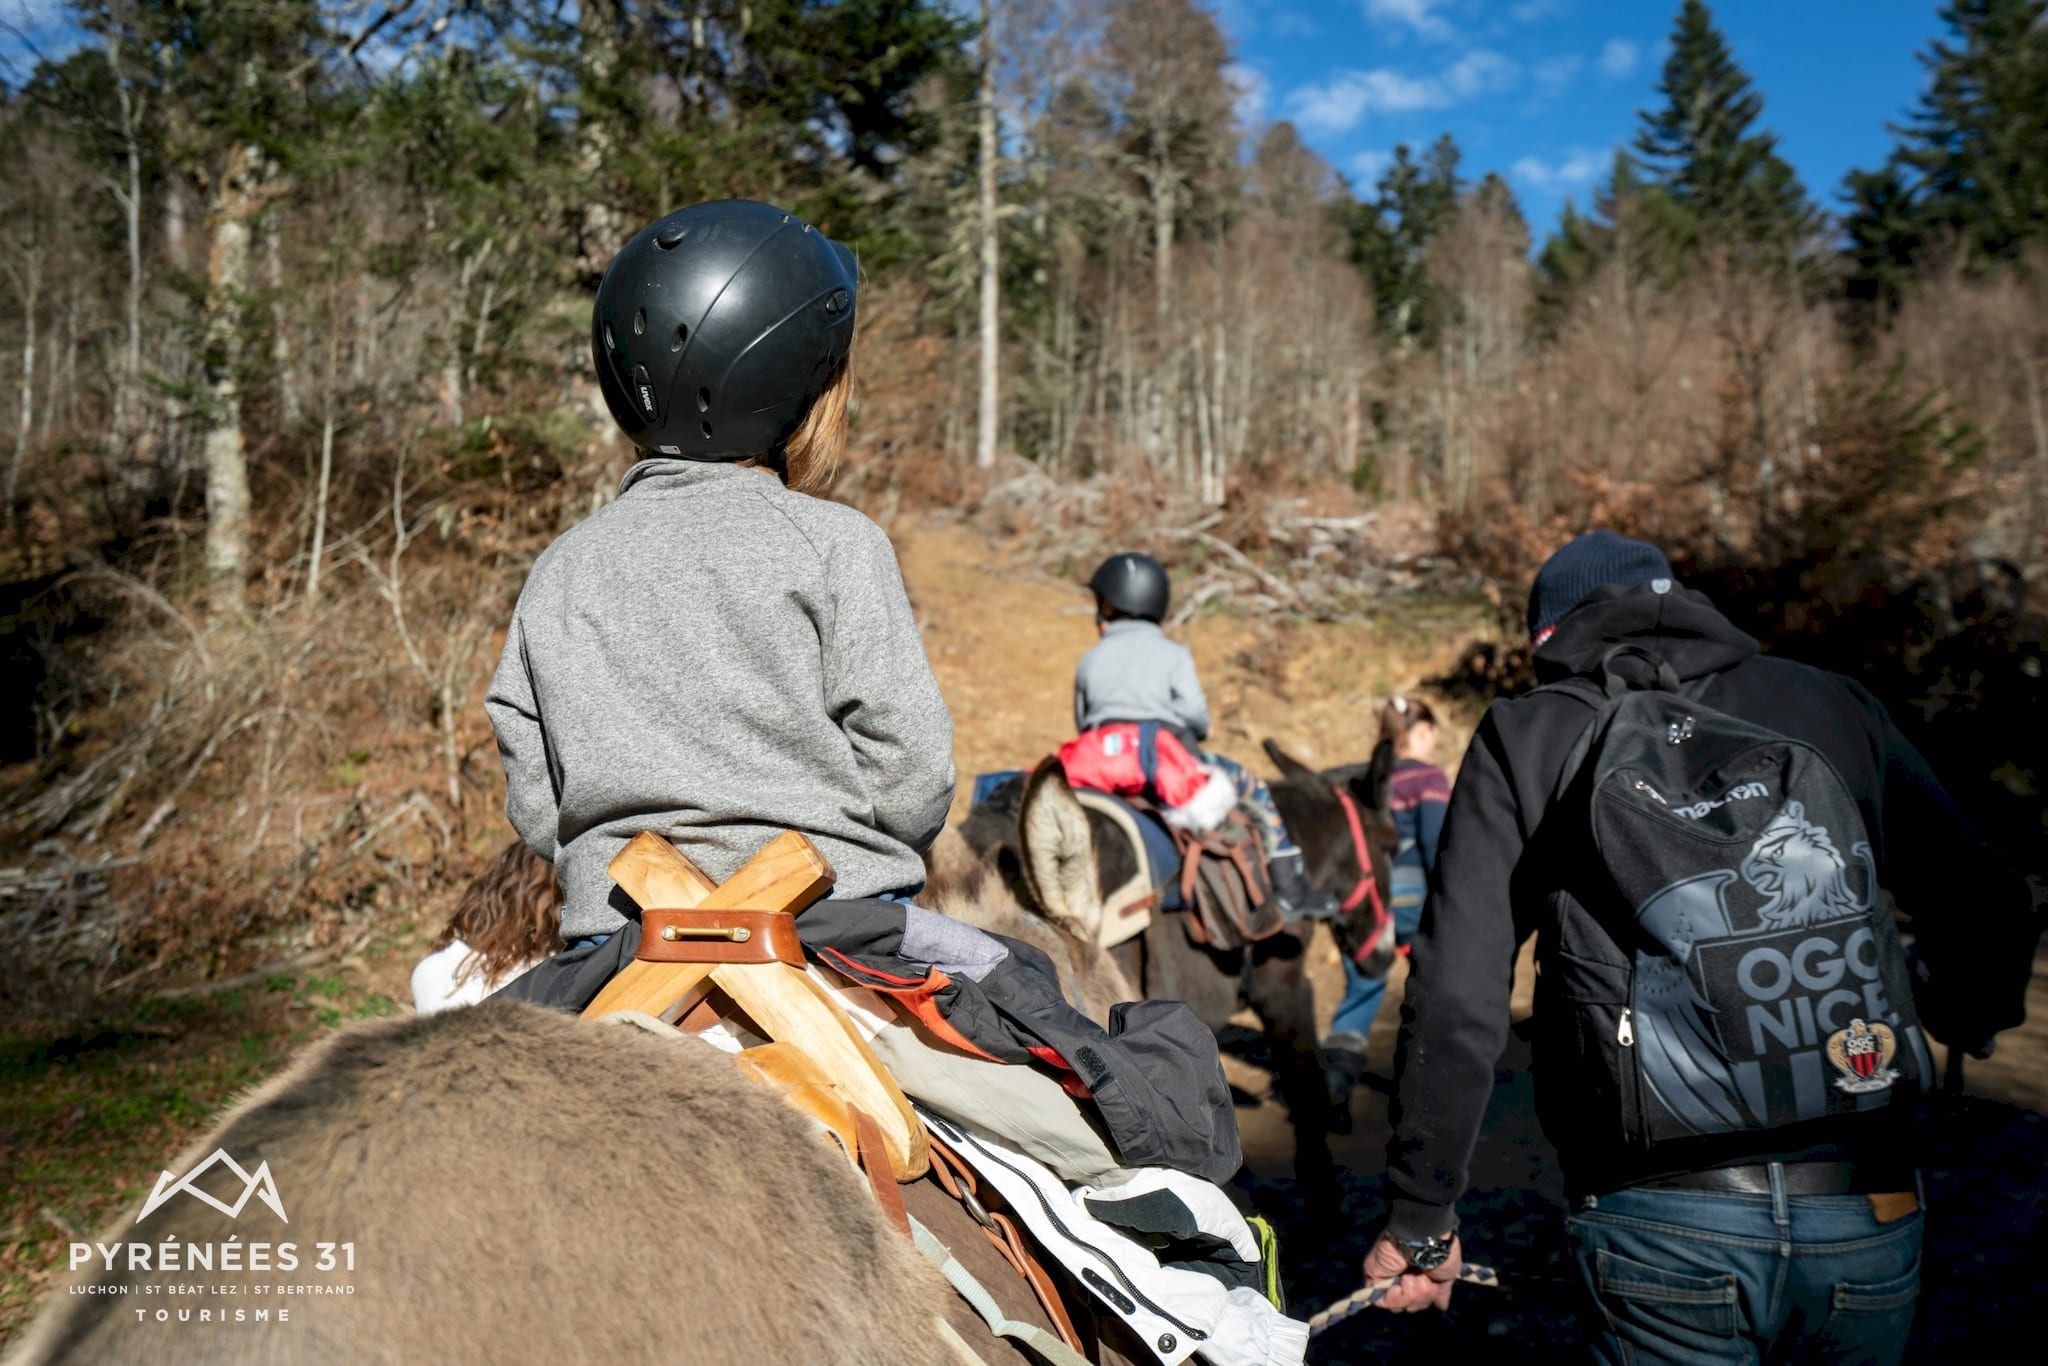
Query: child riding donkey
[
  {"x": 1142, "y": 718},
  {"x": 719, "y": 657}
]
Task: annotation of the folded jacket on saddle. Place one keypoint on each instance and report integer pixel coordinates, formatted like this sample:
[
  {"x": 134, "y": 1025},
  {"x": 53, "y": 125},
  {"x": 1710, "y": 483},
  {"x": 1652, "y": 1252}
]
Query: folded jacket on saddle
[
  {"x": 1153, "y": 1077},
  {"x": 1186, "y": 1222},
  {"x": 1145, "y": 757},
  {"x": 1020, "y": 1107}
]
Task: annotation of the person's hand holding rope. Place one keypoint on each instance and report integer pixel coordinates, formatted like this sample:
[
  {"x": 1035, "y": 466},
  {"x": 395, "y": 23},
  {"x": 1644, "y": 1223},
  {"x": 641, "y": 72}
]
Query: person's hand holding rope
[
  {"x": 1413, "y": 1288},
  {"x": 1395, "y": 1282}
]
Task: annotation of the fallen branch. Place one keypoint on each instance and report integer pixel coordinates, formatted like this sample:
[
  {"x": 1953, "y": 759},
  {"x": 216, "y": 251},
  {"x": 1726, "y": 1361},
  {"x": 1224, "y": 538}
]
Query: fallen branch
[{"x": 304, "y": 960}]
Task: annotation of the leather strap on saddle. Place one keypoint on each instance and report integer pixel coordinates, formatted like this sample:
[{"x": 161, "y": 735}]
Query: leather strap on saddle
[
  {"x": 701, "y": 936},
  {"x": 874, "y": 1161},
  {"x": 957, "y": 1179}
]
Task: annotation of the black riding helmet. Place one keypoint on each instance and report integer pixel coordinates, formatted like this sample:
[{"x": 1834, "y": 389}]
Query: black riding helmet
[
  {"x": 716, "y": 326},
  {"x": 1134, "y": 585}
]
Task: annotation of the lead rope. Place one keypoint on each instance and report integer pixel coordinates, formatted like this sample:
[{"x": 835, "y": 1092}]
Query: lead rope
[{"x": 1372, "y": 1292}]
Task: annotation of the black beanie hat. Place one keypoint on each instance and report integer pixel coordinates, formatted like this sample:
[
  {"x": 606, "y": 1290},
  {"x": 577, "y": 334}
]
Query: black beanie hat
[{"x": 1594, "y": 560}]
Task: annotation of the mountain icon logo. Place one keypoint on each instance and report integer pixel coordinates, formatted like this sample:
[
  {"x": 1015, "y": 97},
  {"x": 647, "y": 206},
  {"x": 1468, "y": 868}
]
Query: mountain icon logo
[{"x": 257, "y": 1183}]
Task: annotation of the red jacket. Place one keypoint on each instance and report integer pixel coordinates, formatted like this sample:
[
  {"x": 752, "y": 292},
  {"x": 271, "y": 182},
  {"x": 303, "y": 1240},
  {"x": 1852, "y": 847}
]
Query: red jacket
[{"x": 1128, "y": 757}]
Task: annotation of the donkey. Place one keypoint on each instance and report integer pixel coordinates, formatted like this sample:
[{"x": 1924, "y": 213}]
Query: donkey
[
  {"x": 428, "y": 1169},
  {"x": 1004, "y": 883},
  {"x": 1272, "y": 975},
  {"x": 440, "y": 1172}
]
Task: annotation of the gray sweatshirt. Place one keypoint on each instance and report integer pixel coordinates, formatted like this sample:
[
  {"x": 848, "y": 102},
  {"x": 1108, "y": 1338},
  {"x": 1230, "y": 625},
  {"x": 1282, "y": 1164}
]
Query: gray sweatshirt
[
  {"x": 717, "y": 659},
  {"x": 1135, "y": 673}
]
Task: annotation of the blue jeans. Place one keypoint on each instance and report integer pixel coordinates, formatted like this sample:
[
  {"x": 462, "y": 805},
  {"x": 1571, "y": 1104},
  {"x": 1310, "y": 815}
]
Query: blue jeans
[
  {"x": 1685, "y": 1277},
  {"x": 1362, "y": 994}
]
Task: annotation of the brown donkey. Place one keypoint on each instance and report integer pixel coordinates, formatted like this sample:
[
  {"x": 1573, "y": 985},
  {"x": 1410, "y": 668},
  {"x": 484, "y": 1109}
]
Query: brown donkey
[{"x": 501, "y": 1183}]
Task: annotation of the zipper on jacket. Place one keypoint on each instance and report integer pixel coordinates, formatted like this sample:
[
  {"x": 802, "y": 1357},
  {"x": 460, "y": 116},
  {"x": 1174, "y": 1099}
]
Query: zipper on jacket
[{"x": 1626, "y": 1034}]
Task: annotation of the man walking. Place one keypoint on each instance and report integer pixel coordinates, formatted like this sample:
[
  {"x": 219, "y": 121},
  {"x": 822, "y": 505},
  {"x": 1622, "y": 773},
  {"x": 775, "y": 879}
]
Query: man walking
[{"x": 1728, "y": 1038}]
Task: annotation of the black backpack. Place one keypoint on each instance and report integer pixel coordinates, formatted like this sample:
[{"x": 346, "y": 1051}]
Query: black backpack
[{"x": 1753, "y": 975}]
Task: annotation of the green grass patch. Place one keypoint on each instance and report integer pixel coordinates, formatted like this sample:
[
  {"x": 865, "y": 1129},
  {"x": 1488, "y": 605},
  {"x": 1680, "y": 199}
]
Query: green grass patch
[{"x": 89, "y": 1115}]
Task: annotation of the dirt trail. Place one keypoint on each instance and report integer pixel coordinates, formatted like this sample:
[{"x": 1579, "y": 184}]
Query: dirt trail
[{"x": 1004, "y": 643}]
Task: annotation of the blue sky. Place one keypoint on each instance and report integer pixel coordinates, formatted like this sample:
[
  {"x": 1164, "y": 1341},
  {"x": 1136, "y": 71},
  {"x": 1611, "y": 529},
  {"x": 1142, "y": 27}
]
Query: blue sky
[{"x": 1542, "y": 91}]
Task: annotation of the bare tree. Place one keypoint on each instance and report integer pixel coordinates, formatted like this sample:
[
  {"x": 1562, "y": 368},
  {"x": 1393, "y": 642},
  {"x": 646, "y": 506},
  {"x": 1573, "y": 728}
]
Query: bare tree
[
  {"x": 987, "y": 410},
  {"x": 128, "y": 194},
  {"x": 236, "y": 196},
  {"x": 28, "y": 198}
]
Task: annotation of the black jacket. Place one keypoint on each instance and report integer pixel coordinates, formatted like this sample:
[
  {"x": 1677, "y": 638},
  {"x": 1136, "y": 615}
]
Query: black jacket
[{"x": 1972, "y": 919}]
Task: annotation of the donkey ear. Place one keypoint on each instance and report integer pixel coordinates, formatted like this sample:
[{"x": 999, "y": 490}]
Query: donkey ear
[
  {"x": 1290, "y": 767},
  {"x": 1371, "y": 786},
  {"x": 1059, "y": 853}
]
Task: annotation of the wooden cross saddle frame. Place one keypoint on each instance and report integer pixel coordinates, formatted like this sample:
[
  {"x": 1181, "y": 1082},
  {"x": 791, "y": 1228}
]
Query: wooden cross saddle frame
[{"x": 818, "y": 1060}]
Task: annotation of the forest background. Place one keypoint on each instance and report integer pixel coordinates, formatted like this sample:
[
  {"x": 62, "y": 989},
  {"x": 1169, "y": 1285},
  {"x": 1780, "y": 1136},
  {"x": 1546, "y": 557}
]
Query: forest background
[{"x": 296, "y": 299}]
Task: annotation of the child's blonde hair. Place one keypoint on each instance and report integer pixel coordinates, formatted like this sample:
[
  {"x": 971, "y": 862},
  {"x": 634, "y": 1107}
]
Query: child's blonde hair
[{"x": 811, "y": 455}]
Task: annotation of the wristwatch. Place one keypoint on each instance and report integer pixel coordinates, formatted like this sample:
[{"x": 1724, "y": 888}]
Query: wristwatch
[{"x": 1427, "y": 1254}]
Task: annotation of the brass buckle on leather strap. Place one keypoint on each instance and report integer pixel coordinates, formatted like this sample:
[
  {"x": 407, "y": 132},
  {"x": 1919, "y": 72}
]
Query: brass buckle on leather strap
[{"x": 699, "y": 936}]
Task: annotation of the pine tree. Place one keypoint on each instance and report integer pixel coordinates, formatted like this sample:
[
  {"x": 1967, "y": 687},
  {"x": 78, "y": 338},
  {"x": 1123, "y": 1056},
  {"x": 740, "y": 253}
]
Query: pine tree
[
  {"x": 1736, "y": 189},
  {"x": 1887, "y": 232},
  {"x": 1634, "y": 224},
  {"x": 1978, "y": 143},
  {"x": 1413, "y": 202}
]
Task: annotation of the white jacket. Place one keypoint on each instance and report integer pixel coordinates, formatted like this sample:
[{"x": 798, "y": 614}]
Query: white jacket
[{"x": 1178, "y": 1314}]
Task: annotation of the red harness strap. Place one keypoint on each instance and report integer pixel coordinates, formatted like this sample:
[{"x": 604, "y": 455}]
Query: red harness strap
[{"x": 1368, "y": 888}]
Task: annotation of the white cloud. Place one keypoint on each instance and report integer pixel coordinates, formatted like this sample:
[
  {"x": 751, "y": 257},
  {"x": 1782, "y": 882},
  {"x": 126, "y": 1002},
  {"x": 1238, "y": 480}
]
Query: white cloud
[
  {"x": 1579, "y": 166},
  {"x": 1418, "y": 15},
  {"x": 1554, "y": 74},
  {"x": 1337, "y": 105},
  {"x": 1618, "y": 58},
  {"x": 1480, "y": 73},
  {"x": 1253, "y": 91},
  {"x": 1367, "y": 165}
]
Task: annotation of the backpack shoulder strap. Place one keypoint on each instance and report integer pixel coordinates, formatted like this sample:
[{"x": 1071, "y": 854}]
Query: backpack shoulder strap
[
  {"x": 1585, "y": 690},
  {"x": 1605, "y": 696}
]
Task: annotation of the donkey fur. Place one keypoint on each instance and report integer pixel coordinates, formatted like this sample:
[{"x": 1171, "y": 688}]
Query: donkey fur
[
  {"x": 973, "y": 889},
  {"x": 523, "y": 1186}
]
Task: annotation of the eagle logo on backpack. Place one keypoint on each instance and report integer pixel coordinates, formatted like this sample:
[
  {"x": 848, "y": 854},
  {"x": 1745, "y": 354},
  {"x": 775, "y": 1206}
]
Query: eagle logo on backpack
[
  {"x": 1797, "y": 866},
  {"x": 1765, "y": 965}
]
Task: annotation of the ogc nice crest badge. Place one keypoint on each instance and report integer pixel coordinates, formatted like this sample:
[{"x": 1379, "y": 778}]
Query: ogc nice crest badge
[{"x": 1862, "y": 1055}]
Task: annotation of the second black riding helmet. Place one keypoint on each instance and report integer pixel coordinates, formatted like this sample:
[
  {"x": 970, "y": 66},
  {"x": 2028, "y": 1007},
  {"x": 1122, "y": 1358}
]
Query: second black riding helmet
[
  {"x": 716, "y": 326},
  {"x": 1134, "y": 585}
]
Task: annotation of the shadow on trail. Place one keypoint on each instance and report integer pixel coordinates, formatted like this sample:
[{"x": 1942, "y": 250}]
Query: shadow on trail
[{"x": 1986, "y": 1173}]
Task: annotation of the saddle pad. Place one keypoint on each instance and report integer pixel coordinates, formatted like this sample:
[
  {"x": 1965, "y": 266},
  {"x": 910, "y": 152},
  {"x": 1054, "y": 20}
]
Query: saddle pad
[
  {"x": 985, "y": 784},
  {"x": 1126, "y": 909},
  {"x": 1160, "y": 854}
]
